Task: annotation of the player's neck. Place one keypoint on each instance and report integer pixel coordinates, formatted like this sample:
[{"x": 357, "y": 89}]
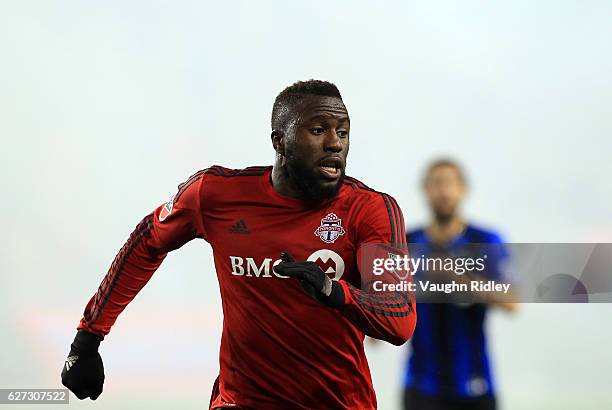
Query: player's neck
[
  {"x": 442, "y": 231},
  {"x": 282, "y": 183}
]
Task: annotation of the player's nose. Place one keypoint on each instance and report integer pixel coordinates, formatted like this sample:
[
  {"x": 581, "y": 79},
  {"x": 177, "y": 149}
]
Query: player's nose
[{"x": 332, "y": 141}]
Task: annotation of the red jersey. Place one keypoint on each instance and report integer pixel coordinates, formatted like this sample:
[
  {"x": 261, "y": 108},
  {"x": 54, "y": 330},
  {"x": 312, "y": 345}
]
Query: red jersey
[{"x": 280, "y": 348}]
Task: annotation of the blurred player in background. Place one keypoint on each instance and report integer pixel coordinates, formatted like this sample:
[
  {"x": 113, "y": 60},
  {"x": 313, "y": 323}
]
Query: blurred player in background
[
  {"x": 286, "y": 343},
  {"x": 449, "y": 366}
]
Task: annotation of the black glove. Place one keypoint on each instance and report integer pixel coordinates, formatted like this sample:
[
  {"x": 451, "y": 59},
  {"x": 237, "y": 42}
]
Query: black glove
[
  {"x": 314, "y": 281},
  {"x": 83, "y": 372}
]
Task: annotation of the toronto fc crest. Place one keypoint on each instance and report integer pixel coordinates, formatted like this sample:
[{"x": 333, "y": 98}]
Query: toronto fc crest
[{"x": 330, "y": 229}]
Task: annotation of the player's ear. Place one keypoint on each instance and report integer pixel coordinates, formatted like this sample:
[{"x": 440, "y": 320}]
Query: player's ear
[{"x": 278, "y": 141}]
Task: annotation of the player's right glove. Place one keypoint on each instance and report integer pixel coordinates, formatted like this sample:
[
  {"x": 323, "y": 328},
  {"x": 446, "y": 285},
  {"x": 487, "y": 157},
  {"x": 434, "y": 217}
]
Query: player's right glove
[
  {"x": 314, "y": 281},
  {"x": 83, "y": 371}
]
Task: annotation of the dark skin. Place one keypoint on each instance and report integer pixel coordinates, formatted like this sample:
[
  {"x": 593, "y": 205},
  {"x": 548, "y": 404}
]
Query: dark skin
[{"x": 311, "y": 149}]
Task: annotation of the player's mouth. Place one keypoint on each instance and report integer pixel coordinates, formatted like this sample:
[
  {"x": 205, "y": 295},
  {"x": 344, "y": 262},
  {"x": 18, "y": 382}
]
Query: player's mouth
[{"x": 331, "y": 167}]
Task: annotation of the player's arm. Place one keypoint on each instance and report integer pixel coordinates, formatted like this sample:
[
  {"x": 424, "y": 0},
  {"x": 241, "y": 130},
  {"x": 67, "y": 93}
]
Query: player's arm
[
  {"x": 385, "y": 315},
  {"x": 504, "y": 301},
  {"x": 378, "y": 312},
  {"x": 497, "y": 255},
  {"x": 167, "y": 228}
]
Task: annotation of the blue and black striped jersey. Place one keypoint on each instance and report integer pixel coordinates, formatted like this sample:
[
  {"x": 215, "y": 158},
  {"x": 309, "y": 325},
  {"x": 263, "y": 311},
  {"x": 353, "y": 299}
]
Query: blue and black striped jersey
[{"x": 449, "y": 353}]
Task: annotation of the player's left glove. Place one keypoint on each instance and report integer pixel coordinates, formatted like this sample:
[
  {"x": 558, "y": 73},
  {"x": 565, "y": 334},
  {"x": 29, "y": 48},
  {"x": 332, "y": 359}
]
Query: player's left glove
[
  {"x": 83, "y": 371},
  {"x": 314, "y": 281}
]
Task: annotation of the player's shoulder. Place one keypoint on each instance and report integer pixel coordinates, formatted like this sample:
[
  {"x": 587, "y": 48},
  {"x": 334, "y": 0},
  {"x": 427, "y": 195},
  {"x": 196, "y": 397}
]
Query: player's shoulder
[
  {"x": 479, "y": 234},
  {"x": 358, "y": 191},
  {"x": 218, "y": 172},
  {"x": 218, "y": 178},
  {"x": 376, "y": 212},
  {"x": 371, "y": 203}
]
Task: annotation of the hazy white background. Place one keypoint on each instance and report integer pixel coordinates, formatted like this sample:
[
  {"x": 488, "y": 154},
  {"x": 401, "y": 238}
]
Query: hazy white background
[{"x": 106, "y": 106}]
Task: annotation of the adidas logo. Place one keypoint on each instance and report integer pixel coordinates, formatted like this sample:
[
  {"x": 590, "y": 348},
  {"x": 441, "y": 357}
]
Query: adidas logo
[
  {"x": 70, "y": 361},
  {"x": 239, "y": 227}
]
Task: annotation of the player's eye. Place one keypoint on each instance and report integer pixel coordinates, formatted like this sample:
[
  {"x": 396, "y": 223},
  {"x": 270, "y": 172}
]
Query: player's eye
[
  {"x": 342, "y": 133},
  {"x": 317, "y": 130}
]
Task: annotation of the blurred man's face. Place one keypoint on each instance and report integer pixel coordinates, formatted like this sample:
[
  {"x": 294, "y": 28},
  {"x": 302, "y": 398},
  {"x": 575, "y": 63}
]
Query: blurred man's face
[
  {"x": 317, "y": 147},
  {"x": 445, "y": 190}
]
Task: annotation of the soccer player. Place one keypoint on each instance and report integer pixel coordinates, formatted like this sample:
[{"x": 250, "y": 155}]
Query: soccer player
[
  {"x": 287, "y": 243},
  {"x": 448, "y": 367}
]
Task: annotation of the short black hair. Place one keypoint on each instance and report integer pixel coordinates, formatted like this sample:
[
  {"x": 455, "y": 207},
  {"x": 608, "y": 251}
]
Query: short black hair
[
  {"x": 444, "y": 162},
  {"x": 290, "y": 96}
]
